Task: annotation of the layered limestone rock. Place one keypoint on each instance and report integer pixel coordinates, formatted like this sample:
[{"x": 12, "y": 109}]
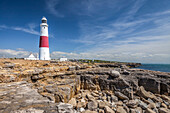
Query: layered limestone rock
[{"x": 58, "y": 87}]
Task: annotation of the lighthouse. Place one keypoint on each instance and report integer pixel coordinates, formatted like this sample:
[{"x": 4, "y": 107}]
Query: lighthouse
[{"x": 44, "y": 53}]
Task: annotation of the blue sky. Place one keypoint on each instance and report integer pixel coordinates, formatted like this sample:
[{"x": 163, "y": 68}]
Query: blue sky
[{"x": 118, "y": 30}]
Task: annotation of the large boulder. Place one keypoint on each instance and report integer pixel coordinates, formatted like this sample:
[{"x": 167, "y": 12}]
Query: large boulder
[
  {"x": 149, "y": 84},
  {"x": 143, "y": 93},
  {"x": 114, "y": 74}
]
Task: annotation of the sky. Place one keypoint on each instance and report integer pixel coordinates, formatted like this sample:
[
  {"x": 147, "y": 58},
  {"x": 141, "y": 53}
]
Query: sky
[{"x": 117, "y": 30}]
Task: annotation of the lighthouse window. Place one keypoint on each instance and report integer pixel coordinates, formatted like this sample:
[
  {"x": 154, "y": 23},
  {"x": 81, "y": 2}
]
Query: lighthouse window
[
  {"x": 44, "y": 27},
  {"x": 44, "y": 21}
]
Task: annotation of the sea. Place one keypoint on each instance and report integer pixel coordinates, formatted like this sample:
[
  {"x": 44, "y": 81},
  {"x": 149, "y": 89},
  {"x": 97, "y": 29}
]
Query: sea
[{"x": 156, "y": 67}]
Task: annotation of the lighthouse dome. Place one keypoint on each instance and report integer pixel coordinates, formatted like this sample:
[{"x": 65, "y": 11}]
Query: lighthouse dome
[{"x": 44, "y": 20}]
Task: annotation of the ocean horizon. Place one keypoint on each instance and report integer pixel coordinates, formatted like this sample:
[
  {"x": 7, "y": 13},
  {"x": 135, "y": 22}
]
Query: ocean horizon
[{"x": 155, "y": 67}]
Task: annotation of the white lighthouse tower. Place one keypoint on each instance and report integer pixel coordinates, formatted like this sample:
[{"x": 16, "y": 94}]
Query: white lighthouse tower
[{"x": 44, "y": 53}]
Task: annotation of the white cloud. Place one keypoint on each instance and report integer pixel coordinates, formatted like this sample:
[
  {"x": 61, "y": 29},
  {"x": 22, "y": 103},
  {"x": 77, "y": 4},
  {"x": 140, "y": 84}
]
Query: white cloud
[
  {"x": 51, "y": 7},
  {"x": 30, "y": 29},
  {"x": 8, "y": 53},
  {"x": 144, "y": 39}
]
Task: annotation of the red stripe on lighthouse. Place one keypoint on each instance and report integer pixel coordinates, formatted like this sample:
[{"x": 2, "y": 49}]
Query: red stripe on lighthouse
[{"x": 44, "y": 41}]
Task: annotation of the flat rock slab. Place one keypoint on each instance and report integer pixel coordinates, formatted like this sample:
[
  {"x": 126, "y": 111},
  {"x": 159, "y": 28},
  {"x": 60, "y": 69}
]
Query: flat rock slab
[{"x": 18, "y": 96}]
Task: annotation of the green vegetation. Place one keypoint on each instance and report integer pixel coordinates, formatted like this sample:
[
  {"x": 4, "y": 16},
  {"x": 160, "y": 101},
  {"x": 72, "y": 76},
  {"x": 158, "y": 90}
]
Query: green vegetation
[{"x": 92, "y": 61}]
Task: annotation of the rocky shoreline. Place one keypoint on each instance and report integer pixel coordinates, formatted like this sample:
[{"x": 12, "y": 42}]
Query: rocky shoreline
[{"x": 74, "y": 87}]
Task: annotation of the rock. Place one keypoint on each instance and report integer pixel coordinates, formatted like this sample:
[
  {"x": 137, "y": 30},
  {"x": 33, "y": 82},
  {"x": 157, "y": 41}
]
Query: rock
[
  {"x": 121, "y": 96},
  {"x": 164, "y": 110},
  {"x": 114, "y": 74},
  {"x": 73, "y": 102},
  {"x": 126, "y": 108},
  {"x": 30, "y": 110},
  {"x": 12, "y": 78},
  {"x": 46, "y": 64},
  {"x": 108, "y": 109},
  {"x": 92, "y": 105},
  {"x": 164, "y": 105},
  {"x": 138, "y": 110},
  {"x": 81, "y": 105},
  {"x": 89, "y": 111},
  {"x": 72, "y": 68},
  {"x": 158, "y": 104},
  {"x": 94, "y": 94},
  {"x": 90, "y": 97},
  {"x": 65, "y": 108},
  {"x": 18, "y": 95},
  {"x": 101, "y": 111},
  {"x": 165, "y": 97},
  {"x": 149, "y": 111},
  {"x": 119, "y": 103},
  {"x": 120, "y": 109},
  {"x": 51, "y": 88},
  {"x": 114, "y": 98},
  {"x": 103, "y": 104},
  {"x": 59, "y": 98},
  {"x": 143, "y": 105},
  {"x": 82, "y": 109},
  {"x": 155, "y": 110},
  {"x": 149, "y": 84},
  {"x": 132, "y": 103},
  {"x": 142, "y": 93},
  {"x": 9, "y": 65},
  {"x": 78, "y": 67},
  {"x": 126, "y": 72},
  {"x": 152, "y": 106},
  {"x": 128, "y": 92}
]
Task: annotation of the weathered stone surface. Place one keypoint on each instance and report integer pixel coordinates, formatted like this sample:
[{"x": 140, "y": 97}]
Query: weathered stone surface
[
  {"x": 90, "y": 97},
  {"x": 149, "y": 110},
  {"x": 142, "y": 105},
  {"x": 89, "y": 111},
  {"x": 92, "y": 105},
  {"x": 101, "y": 111},
  {"x": 89, "y": 86},
  {"x": 121, "y": 96},
  {"x": 65, "y": 108},
  {"x": 120, "y": 109},
  {"x": 73, "y": 102},
  {"x": 102, "y": 104},
  {"x": 18, "y": 95},
  {"x": 9, "y": 65},
  {"x": 150, "y": 84},
  {"x": 59, "y": 98},
  {"x": 81, "y": 104},
  {"x": 114, "y": 98},
  {"x": 108, "y": 109},
  {"x": 132, "y": 103},
  {"x": 164, "y": 110},
  {"x": 30, "y": 110},
  {"x": 141, "y": 92},
  {"x": 114, "y": 74},
  {"x": 72, "y": 68},
  {"x": 152, "y": 106}
]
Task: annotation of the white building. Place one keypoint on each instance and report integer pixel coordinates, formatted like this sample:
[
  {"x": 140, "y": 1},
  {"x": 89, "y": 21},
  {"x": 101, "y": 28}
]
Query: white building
[
  {"x": 31, "y": 57},
  {"x": 63, "y": 59}
]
